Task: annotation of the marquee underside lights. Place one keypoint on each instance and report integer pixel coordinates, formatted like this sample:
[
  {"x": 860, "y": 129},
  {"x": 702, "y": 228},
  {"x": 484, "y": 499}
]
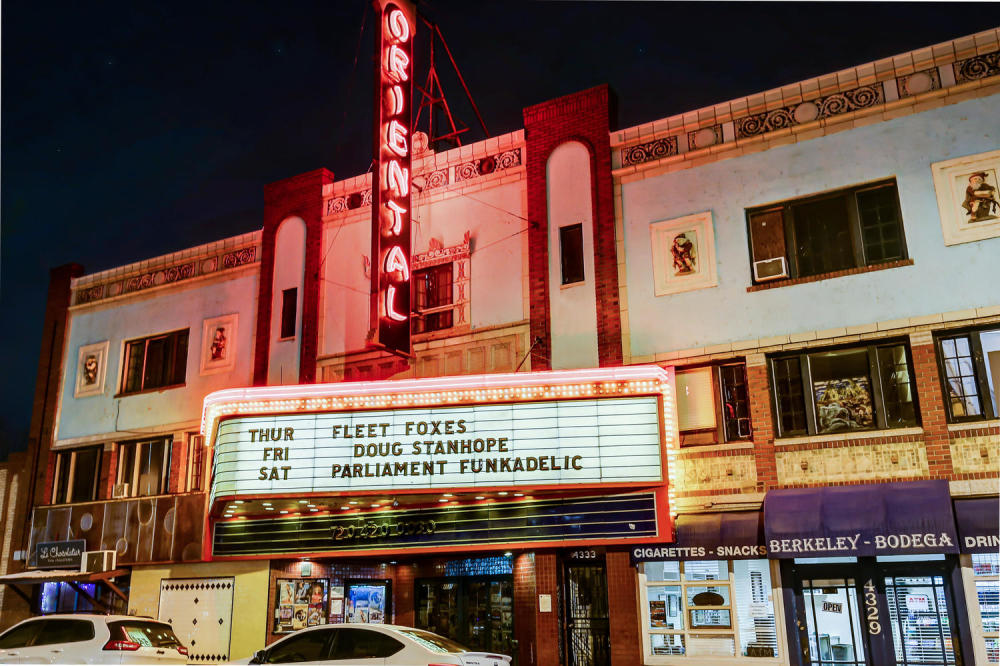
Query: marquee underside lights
[{"x": 391, "y": 205}]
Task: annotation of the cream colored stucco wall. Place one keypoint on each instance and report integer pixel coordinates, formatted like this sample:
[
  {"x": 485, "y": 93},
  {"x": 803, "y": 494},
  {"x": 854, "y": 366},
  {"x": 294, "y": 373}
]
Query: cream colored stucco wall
[{"x": 249, "y": 627}]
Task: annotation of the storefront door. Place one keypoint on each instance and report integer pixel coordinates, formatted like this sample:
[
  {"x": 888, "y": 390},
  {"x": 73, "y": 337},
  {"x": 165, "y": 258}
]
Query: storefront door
[
  {"x": 585, "y": 604},
  {"x": 475, "y": 611},
  {"x": 877, "y": 613}
]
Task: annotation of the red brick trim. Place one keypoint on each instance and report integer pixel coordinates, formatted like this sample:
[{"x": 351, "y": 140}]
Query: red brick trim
[
  {"x": 300, "y": 196},
  {"x": 774, "y": 284},
  {"x": 837, "y": 444},
  {"x": 525, "y": 607},
  {"x": 762, "y": 422},
  {"x": 974, "y": 430},
  {"x": 547, "y": 624},
  {"x": 585, "y": 117},
  {"x": 47, "y": 386},
  {"x": 933, "y": 413},
  {"x": 689, "y": 454},
  {"x": 623, "y": 604}
]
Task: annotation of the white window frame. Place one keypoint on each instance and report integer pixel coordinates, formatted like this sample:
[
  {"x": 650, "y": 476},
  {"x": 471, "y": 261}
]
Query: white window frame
[
  {"x": 137, "y": 447},
  {"x": 969, "y": 579},
  {"x": 734, "y": 630},
  {"x": 71, "y": 478}
]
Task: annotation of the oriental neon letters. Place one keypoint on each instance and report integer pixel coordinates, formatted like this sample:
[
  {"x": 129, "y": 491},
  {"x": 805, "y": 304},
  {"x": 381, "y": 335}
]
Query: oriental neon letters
[{"x": 390, "y": 308}]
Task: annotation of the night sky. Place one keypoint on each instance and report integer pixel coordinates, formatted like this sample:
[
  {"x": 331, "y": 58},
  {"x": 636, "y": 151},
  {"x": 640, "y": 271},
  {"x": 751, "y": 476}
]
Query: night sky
[{"x": 130, "y": 130}]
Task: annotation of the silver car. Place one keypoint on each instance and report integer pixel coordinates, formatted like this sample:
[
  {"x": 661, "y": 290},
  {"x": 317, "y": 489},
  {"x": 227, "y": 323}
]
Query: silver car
[{"x": 91, "y": 639}]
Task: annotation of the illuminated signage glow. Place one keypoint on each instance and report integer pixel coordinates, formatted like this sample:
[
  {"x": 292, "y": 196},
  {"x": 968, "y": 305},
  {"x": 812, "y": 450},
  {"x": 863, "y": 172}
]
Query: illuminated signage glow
[
  {"x": 594, "y": 441},
  {"x": 337, "y": 402},
  {"x": 391, "y": 187}
]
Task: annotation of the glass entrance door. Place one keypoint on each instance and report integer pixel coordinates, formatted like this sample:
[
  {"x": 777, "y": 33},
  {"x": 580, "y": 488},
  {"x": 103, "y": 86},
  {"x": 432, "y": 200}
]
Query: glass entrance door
[
  {"x": 585, "y": 596},
  {"x": 918, "y": 614},
  {"x": 877, "y": 614},
  {"x": 833, "y": 618},
  {"x": 475, "y": 611}
]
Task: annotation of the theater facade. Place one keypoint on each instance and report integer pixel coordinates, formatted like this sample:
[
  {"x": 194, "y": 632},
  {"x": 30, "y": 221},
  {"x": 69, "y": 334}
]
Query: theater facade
[{"x": 715, "y": 389}]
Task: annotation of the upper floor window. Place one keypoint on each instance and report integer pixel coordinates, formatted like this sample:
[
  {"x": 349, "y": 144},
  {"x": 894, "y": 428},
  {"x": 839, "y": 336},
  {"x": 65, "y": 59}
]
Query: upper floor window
[
  {"x": 713, "y": 405},
  {"x": 433, "y": 288},
  {"x": 841, "y": 390},
  {"x": 155, "y": 362},
  {"x": 970, "y": 371},
  {"x": 571, "y": 253},
  {"x": 143, "y": 468},
  {"x": 835, "y": 231},
  {"x": 77, "y": 475},
  {"x": 289, "y": 312}
]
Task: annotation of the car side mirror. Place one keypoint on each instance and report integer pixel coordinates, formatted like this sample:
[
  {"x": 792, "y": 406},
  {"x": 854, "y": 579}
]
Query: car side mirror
[{"x": 258, "y": 657}]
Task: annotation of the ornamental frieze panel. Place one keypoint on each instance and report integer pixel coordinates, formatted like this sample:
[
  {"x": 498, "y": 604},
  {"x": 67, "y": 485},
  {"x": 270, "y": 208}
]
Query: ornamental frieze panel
[
  {"x": 651, "y": 150},
  {"x": 977, "y": 67},
  {"x": 166, "y": 275},
  {"x": 918, "y": 82},
  {"x": 433, "y": 179},
  {"x": 797, "y": 114}
]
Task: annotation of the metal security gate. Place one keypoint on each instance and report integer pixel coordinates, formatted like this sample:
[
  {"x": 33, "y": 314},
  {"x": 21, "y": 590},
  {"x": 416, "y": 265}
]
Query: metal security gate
[{"x": 585, "y": 604}]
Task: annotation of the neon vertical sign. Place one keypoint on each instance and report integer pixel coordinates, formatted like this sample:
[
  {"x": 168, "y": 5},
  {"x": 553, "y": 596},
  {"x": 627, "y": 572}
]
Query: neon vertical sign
[{"x": 391, "y": 205}]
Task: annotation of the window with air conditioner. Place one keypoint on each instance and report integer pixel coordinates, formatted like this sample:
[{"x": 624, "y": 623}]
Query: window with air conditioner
[
  {"x": 819, "y": 392},
  {"x": 77, "y": 475},
  {"x": 970, "y": 371},
  {"x": 143, "y": 467},
  {"x": 156, "y": 362},
  {"x": 825, "y": 233},
  {"x": 713, "y": 405}
]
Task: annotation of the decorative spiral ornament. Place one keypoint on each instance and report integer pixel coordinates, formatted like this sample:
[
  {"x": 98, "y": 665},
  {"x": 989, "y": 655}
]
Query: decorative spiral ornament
[
  {"x": 437, "y": 178},
  {"x": 508, "y": 159},
  {"x": 833, "y": 105},
  {"x": 751, "y": 125},
  {"x": 466, "y": 171},
  {"x": 634, "y": 155},
  {"x": 779, "y": 119},
  {"x": 864, "y": 96}
]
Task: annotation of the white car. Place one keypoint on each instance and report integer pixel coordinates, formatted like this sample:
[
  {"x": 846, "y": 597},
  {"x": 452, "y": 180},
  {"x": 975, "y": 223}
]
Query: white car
[
  {"x": 91, "y": 639},
  {"x": 363, "y": 644}
]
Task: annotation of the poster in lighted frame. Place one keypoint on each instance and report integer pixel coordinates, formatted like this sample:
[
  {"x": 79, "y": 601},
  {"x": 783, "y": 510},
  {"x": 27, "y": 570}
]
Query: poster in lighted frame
[{"x": 300, "y": 603}]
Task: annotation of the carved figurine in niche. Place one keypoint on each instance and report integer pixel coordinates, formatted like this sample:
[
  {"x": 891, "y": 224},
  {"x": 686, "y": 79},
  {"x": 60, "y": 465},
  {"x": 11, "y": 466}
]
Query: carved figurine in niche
[
  {"x": 90, "y": 369},
  {"x": 685, "y": 259},
  {"x": 218, "y": 349},
  {"x": 980, "y": 198}
]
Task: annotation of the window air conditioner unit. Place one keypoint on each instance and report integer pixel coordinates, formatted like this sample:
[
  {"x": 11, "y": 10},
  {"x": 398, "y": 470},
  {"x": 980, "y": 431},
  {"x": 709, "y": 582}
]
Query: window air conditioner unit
[
  {"x": 769, "y": 269},
  {"x": 97, "y": 560},
  {"x": 120, "y": 490}
]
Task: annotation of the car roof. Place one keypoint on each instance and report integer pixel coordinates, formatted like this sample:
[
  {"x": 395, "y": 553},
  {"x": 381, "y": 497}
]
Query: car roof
[{"x": 96, "y": 617}]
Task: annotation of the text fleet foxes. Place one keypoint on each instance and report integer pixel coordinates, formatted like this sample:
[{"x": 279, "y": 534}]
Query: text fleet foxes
[{"x": 493, "y": 462}]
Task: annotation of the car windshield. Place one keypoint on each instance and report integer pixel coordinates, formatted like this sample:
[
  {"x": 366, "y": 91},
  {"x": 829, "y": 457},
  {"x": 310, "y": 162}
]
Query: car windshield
[
  {"x": 433, "y": 642},
  {"x": 146, "y": 634}
]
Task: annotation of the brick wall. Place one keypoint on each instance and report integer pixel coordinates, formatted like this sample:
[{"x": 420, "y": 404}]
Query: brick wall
[
  {"x": 761, "y": 418},
  {"x": 47, "y": 385},
  {"x": 525, "y": 607},
  {"x": 931, "y": 405},
  {"x": 300, "y": 196},
  {"x": 623, "y": 604},
  {"x": 546, "y": 624},
  {"x": 583, "y": 117}
]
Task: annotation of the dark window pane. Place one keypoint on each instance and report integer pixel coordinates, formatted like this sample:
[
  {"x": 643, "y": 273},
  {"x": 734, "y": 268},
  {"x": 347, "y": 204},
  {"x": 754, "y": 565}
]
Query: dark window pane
[
  {"x": 289, "y": 305},
  {"x": 823, "y": 236},
  {"x": 963, "y": 393},
  {"x": 788, "y": 389},
  {"x": 880, "y": 228},
  {"x": 147, "y": 634},
  {"x": 571, "y": 252},
  {"x": 64, "y": 462},
  {"x": 306, "y": 646},
  {"x": 133, "y": 375},
  {"x": 65, "y": 631},
  {"x": 842, "y": 390},
  {"x": 179, "y": 357},
  {"x": 735, "y": 402},
  {"x": 156, "y": 356},
  {"x": 434, "y": 288},
  {"x": 86, "y": 472},
  {"x": 151, "y": 468},
  {"x": 20, "y": 636},
  {"x": 897, "y": 390},
  {"x": 363, "y": 644}
]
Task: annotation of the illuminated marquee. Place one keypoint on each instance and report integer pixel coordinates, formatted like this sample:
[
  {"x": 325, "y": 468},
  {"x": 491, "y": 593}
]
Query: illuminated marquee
[
  {"x": 571, "y": 428},
  {"x": 390, "y": 306}
]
